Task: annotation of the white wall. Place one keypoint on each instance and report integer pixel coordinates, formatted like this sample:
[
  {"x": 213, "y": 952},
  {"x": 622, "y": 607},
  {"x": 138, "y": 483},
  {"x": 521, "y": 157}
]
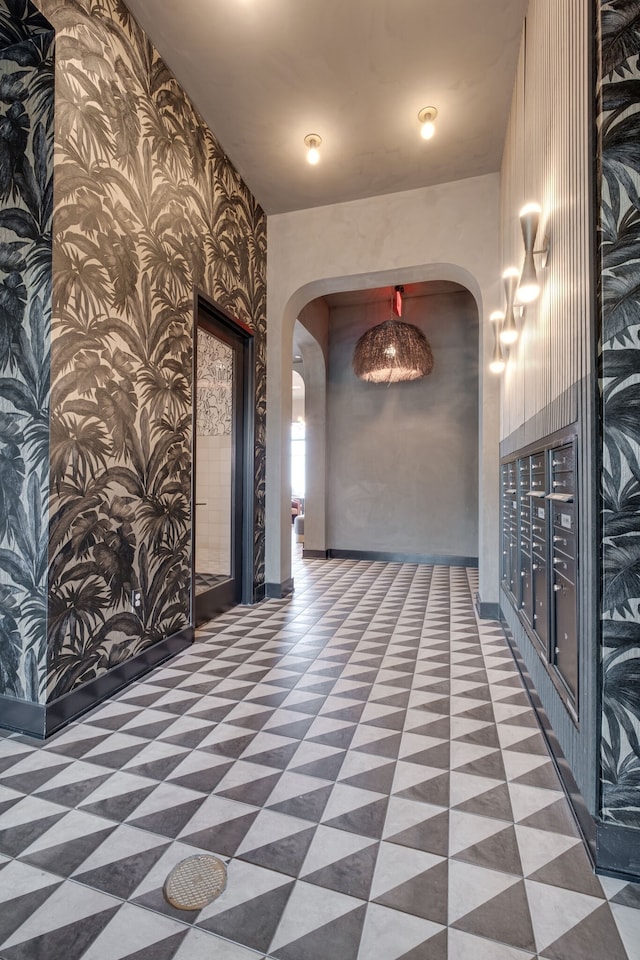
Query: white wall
[{"x": 447, "y": 232}]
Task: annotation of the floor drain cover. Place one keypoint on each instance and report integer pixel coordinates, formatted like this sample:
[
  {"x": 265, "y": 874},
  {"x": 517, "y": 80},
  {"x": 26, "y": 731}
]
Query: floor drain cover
[{"x": 195, "y": 882}]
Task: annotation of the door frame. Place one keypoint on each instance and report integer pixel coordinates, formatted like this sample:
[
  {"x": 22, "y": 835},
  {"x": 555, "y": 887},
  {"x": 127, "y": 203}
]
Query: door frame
[{"x": 205, "y": 306}]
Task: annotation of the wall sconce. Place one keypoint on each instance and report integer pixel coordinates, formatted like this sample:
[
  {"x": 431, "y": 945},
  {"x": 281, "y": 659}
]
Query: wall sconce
[
  {"x": 509, "y": 332},
  {"x": 529, "y": 287},
  {"x": 312, "y": 141},
  {"x": 426, "y": 117},
  {"x": 497, "y": 364}
]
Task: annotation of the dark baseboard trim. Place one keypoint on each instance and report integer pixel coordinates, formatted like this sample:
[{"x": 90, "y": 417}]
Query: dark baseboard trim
[
  {"x": 487, "y": 611},
  {"x": 23, "y": 716},
  {"x": 315, "y": 554},
  {"x": 618, "y": 851},
  {"x": 584, "y": 820},
  {"x": 41, "y": 721},
  {"x": 421, "y": 559},
  {"x": 276, "y": 591}
]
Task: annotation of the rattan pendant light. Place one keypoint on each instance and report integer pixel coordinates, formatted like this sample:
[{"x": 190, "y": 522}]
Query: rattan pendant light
[{"x": 393, "y": 351}]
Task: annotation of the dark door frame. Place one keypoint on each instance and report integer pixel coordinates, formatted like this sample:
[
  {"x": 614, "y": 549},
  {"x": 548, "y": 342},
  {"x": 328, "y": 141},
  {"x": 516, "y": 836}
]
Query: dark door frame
[{"x": 206, "y": 308}]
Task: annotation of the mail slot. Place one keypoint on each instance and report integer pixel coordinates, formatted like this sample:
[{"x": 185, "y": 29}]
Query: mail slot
[
  {"x": 563, "y": 458},
  {"x": 565, "y": 654}
]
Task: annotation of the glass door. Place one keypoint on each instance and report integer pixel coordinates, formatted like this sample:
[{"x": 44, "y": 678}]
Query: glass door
[{"x": 219, "y": 440}]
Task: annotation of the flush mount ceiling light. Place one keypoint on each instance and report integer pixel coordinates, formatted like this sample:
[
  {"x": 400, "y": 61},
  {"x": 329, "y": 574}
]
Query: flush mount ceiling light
[
  {"x": 393, "y": 351},
  {"x": 529, "y": 287},
  {"x": 426, "y": 117},
  {"x": 312, "y": 141},
  {"x": 497, "y": 364},
  {"x": 509, "y": 332}
]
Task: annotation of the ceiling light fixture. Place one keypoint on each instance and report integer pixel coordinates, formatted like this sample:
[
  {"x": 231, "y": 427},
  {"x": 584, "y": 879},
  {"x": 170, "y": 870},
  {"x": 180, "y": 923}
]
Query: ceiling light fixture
[
  {"x": 312, "y": 141},
  {"x": 426, "y": 117},
  {"x": 529, "y": 287},
  {"x": 497, "y": 364},
  {"x": 509, "y": 332},
  {"x": 393, "y": 351}
]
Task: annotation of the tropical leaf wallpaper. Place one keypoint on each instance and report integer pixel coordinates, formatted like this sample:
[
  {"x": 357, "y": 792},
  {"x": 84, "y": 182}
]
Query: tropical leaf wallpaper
[
  {"x": 619, "y": 123},
  {"x": 147, "y": 208},
  {"x": 26, "y": 205}
]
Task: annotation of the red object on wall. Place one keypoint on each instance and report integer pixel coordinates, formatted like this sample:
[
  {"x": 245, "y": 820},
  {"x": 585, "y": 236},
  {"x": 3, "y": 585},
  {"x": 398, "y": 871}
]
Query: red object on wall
[{"x": 397, "y": 302}]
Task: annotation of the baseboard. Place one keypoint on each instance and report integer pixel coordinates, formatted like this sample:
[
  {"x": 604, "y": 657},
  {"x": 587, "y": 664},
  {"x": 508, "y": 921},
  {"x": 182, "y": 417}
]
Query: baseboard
[
  {"x": 487, "y": 611},
  {"x": 276, "y": 591},
  {"x": 420, "y": 559},
  {"x": 618, "y": 851},
  {"x": 23, "y": 716},
  {"x": 314, "y": 554},
  {"x": 41, "y": 720},
  {"x": 259, "y": 592},
  {"x": 584, "y": 820}
]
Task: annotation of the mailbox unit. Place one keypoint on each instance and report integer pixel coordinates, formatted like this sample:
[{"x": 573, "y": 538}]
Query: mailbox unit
[{"x": 539, "y": 555}]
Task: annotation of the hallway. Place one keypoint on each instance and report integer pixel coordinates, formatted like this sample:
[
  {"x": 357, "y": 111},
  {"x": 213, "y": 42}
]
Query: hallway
[{"x": 362, "y": 754}]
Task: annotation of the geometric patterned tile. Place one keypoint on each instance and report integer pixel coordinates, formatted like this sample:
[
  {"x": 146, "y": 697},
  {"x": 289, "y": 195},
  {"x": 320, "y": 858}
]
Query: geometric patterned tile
[{"x": 364, "y": 756}]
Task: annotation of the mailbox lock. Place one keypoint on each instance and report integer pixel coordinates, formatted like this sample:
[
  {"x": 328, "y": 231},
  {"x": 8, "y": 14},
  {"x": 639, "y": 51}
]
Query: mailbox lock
[
  {"x": 534, "y": 566},
  {"x": 557, "y": 586}
]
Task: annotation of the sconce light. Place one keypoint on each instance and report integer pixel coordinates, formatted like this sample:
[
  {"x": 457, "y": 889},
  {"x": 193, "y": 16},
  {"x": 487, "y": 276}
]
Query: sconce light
[
  {"x": 312, "y": 141},
  {"x": 426, "y": 117},
  {"x": 509, "y": 332},
  {"x": 529, "y": 287},
  {"x": 497, "y": 364}
]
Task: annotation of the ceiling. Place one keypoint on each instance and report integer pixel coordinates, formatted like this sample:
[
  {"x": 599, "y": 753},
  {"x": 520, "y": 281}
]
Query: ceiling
[{"x": 265, "y": 73}]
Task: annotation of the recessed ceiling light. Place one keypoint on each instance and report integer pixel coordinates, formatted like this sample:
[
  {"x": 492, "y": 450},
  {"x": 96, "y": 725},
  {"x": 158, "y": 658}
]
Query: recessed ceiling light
[
  {"x": 426, "y": 117},
  {"x": 312, "y": 141}
]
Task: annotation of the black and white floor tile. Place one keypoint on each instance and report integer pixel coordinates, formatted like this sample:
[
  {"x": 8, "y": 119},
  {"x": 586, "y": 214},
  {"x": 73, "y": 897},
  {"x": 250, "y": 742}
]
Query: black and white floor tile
[{"x": 364, "y": 758}]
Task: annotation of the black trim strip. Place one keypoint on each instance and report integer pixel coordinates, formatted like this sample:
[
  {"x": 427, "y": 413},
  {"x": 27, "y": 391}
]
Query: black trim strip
[
  {"x": 276, "y": 591},
  {"x": 618, "y": 851},
  {"x": 315, "y": 554},
  {"x": 420, "y": 559},
  {"x": 584, "y": 820},
  {"x": 39, "y": 720}
]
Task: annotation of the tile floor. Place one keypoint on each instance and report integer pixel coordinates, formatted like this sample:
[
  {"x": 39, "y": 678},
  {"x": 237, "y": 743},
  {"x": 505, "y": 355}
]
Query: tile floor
[{"x": 364, "y": 758}]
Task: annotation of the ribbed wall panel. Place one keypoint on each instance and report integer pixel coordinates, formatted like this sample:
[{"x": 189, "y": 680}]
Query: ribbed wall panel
[
  {"x": 546, "y": 159},
  {"x": 549, "y": 382}
]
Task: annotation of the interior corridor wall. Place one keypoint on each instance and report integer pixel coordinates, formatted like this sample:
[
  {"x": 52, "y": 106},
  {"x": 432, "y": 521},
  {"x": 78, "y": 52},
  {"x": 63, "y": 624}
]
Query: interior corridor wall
[
  {"x": 403, "y": 458},
  {"x": 445, "y": 232}
]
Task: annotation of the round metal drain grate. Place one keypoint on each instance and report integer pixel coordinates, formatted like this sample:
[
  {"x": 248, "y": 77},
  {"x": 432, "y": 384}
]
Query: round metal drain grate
[{"x": 195, "y": 882}]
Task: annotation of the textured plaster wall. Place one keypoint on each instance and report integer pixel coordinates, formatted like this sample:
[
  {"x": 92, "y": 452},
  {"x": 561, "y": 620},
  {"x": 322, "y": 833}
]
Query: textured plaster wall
[
  {"x": 447, "y": 232},
  {"x": 403, "y": 458}
]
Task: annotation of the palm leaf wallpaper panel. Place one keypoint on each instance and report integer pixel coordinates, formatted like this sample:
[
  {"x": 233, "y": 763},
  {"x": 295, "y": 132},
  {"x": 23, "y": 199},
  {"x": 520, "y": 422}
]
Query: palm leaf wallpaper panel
[
  {"x": 26, "y": 204},
  {"x": 619, "y": 123},
  {"x": 147, "y": 209}
]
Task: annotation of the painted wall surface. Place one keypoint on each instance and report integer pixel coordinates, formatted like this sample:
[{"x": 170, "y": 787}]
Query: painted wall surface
[
  {"x": 26, "y": 206},
  {"x": 549, "y": 382},
  {"x": 312, "y": 336},
  {"x": 447, "y": 232},
  {"x": 147, "y": 208},
  {"x": 403, "y": 458},
  {"x": 619, "y": 125}
]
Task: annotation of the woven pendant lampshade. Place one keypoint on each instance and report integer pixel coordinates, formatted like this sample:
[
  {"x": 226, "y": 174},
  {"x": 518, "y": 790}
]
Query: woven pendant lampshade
[{"x": 392, "y": 351}]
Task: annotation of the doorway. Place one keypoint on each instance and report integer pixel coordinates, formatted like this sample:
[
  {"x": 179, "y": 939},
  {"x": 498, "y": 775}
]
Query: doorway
[{"x": 222, "y": 554}]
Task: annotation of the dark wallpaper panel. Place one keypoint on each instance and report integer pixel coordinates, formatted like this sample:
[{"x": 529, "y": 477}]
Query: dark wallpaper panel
[
  {"x": 620, "y": 251},
  {"x": 26, "y": 203},
  {"x": 147, "y": 208}
]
